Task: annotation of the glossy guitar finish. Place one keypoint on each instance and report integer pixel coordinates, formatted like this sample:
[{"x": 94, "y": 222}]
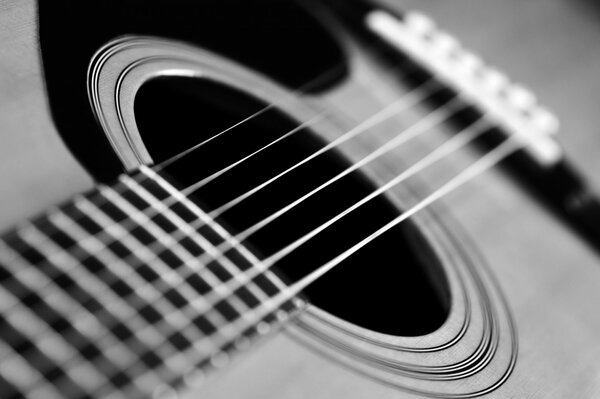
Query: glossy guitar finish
[{"x": 546, "y": 274}]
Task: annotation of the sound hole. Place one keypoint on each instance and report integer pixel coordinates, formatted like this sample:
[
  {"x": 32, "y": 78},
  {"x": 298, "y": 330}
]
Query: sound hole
[
  {"x": 394, "y": 285},
  {"x": 281, "y": 39}
]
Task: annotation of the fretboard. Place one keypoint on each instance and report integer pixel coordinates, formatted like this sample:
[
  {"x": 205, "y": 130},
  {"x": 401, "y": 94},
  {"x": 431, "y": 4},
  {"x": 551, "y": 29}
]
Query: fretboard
[{"x": 125, "y": 291}]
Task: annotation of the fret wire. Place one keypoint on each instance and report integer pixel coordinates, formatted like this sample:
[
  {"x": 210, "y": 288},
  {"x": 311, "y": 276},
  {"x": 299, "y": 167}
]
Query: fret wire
[
  {"x": 241, "y": 262},
  {"x": 223, "y": 329},
  {"x": 241, "y": 279},
  {"x": 142, "y": 291},
  {"x": 409, "y": 70},
  {"x": 142, "y": 328},
  {"x": 197, "y": 214},
  {"x": 235, "y": 274},
  {"x": 143, "y": 373},
  {"x": 194, "y": 357},
  {"x": 491, "y": 159},
  {"x": 183, "y": 321},
  {"x": 90, "y": 326},
  {"x": 136, "y": 280},
  {"x": 44, "y": 218},
  {"x": 117, "y": 356},
  {"x": 141, "y": 252},
  {"x": 202, "y": 216},
  {"x": 421, "y": 87},
  {"x": 26, "y": 378},
  {"x": 432, "y": 119},
  {"x": 262, "y": 268},
  {"x": 219, "y": 337},
  {"x": 184, "y": 256},
  {"x": 216, "y": 283},
  {"x": 51, "y": 345},
  {"x": 192, "y": 352},
  {"x": 148, "y": 293},
  {"x": 239, "y": 331},
  {"x": 82, "y": 254},
  {"x": 100, "y": 290},
  {"x": 203, "y": 358},
  {"x": 236, "y": 332},
  {"x": 242, "y": 325},
  {"x": 200, "y": 212}
]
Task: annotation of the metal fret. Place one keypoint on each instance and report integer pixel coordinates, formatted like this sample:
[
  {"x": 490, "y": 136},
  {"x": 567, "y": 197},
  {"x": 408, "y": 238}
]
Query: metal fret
[
  {"x": 121, "y": 291},
  {"x": 228, "y": 266},
  {"x": 170, "y": 307},
  {"x": 159, "y": 342},
  {"x": 114, "y": 296},
  {"x": 185, "y": 258},
  {"x": 238, "y": 305},
  {"x": 138, "y": 279},
  {"x": 271, "y": 284},
  {"x": 127, "y": 295},
  {"x": 86, "y": 323},
  {"x": 19, "y": 330},
  {"x": 11, "y": 307}
]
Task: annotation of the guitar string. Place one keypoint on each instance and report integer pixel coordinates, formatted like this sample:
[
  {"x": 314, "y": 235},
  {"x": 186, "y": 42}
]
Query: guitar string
[
  {"x": 158, "y": 167},
  {"x": 456, "y": 141},
  {"x": 408, "y": 69},
  {"x": 264, "y": 309},
  {"x": 107, "y": 281},
  {"x": 432, "y": 119},
  {"x": 422, "y": 126},
  {"x": 411, "y": 98},
  {"x": 404, "y": 136},
  {"x": 134, "y": 254},
  {"x": 295, "y": 94},
  {"x": 419, "y": 92},
  {"x": 128, "y": 224}
]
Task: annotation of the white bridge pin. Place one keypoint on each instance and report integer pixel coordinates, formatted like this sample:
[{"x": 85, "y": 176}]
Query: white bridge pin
[
  {"x": 545, "y": 120},
  {"x": 419, "y": 23},
  {"x": 520, "y": 97},
  {"x": 469, "y": 62},
  {"x": 494, "y": 80}
]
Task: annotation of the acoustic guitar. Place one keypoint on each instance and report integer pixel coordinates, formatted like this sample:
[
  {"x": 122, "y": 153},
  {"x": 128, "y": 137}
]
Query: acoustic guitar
[{"x": 312, "y": 199}]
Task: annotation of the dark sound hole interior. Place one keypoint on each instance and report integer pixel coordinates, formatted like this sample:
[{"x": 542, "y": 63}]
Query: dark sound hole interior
[{"x": 394, "y": 285}]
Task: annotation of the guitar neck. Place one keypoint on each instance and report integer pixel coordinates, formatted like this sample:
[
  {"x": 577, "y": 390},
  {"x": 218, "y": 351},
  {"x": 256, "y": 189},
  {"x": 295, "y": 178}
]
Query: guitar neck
[{"x": 127, "y": 288}]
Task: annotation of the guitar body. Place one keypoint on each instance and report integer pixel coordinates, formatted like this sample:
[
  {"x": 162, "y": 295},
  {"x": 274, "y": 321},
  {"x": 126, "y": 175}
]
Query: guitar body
[{"x": 536, "y": 277}]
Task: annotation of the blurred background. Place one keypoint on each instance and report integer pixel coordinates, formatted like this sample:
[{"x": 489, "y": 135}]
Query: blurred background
[{"x": 550, "y": 46}]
